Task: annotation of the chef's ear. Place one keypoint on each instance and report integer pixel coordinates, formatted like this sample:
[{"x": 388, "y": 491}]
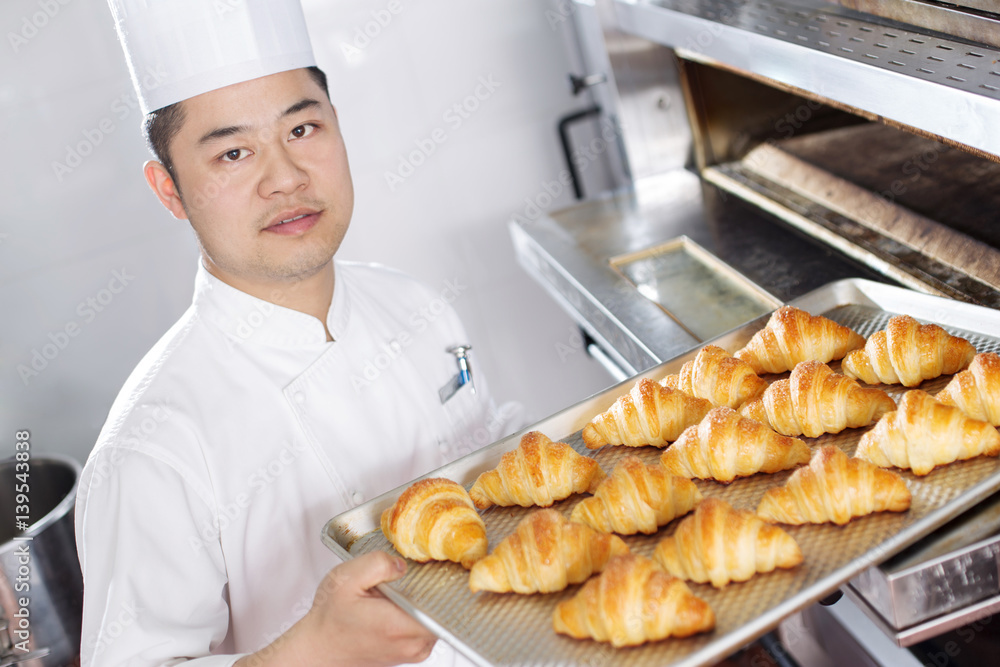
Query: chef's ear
[{"x": 162, "y": 184}]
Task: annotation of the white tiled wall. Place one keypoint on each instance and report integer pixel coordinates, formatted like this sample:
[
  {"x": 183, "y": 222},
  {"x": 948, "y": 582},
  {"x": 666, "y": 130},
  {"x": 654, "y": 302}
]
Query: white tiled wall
[{"x": 93, "y": 271}]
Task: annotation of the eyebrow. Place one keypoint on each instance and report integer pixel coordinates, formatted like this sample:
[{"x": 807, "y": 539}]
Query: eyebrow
[
  {"x": 306, "y": 103},
  {"x": 222, "y": 132}
]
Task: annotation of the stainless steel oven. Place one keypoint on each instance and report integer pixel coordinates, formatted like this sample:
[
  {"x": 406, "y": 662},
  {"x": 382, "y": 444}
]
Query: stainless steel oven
[{"x": 760, "y": 149}]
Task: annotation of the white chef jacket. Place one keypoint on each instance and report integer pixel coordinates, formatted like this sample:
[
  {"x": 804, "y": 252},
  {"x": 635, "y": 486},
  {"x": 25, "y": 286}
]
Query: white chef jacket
[{"x": 237, "y": 437}]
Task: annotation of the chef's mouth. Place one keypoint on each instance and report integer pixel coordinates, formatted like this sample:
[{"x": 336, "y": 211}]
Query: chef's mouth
[{"x": 294, "y": 223}]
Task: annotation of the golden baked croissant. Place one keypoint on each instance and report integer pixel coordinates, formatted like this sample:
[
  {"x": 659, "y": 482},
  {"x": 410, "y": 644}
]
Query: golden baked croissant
[
  {"x": 976, "y": 390},
  {"x": 814, "y": 400},
  {"x": 650, "y": 414},
  {"x": 632, "y": 602},
  {"x": 545, "y": 553},
  {"x": 718, "y": 378},
  {"x": 719, "y": 544},
  {"x": 834, "y": 488},
  {"x": 907, "y": 352},
  {"x": 923, "y": 433},
  {"x": 724, "y": 446},
  {"x": 792, "y": 336},
  {"x": 636, "y": 498},
  {"x": 434, "y": 520},
  {"x": 539, "y": 472}
]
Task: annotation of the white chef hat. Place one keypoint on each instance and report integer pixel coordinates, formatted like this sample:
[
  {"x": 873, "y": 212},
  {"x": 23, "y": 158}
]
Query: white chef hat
[{"x": 177, "y": 49}]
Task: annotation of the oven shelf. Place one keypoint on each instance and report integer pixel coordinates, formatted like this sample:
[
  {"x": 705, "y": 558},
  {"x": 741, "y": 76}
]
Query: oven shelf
[{"x": 945, "y": 87}]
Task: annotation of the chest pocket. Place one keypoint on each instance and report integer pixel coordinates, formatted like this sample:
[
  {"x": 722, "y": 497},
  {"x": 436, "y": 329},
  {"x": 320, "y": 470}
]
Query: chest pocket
[
  {"x": 461, "y": 418},
  {"x": 467, "y": 416}
]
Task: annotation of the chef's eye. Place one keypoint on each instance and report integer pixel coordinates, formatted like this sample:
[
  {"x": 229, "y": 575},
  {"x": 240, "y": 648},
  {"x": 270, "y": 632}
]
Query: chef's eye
[
  {"x": 303, "y": 131},
  {"x": 234, "y": 155}
]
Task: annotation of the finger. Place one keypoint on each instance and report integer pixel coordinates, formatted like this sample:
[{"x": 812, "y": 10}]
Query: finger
[
  {"x": 394, "y": 622},
  {"x": 418, "y": 651},
  {"x": 367, "y": 571}
]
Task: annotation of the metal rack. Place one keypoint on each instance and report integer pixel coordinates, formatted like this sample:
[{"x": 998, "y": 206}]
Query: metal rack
[{"x": 939, "y": 85}]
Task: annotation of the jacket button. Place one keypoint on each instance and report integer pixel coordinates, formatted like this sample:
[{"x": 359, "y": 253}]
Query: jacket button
[
  {"x": 357, "y": 498},
  {"x": 300, "y": 398}
]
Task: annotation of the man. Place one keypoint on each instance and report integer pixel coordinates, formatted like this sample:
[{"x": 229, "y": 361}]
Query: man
[{"x": 295, "y": 387}]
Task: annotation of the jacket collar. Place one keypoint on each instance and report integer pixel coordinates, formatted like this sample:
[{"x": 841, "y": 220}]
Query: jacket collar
[{"x": 246, "y": 318}]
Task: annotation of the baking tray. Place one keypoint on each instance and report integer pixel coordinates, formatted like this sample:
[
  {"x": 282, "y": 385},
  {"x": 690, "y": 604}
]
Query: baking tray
[
  {"x": 508, "y": 629},
  {"x": 703, "y": 294}
]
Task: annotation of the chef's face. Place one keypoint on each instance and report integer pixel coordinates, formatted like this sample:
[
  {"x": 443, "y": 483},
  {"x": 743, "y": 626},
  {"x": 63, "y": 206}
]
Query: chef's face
[{"x": 262, "y": 176}]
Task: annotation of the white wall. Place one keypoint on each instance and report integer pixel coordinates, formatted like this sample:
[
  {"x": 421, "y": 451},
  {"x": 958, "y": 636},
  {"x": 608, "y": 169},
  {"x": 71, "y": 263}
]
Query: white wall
[{"x": 92, "y": 270}]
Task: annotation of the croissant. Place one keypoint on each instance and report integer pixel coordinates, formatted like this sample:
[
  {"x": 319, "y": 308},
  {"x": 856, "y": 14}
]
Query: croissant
[
  {"x": 976, "y": 390},
  {"x": 538, "y": 472},
  {"x": 724, "y": 446},
  {"x": 792, "y": 336},
  {"x": 719, "y": 544},
  {"x": 923, "y": 433},
  {"x": 814, "y": 400},
  {"x": 434, "y": 520},
  {"x": 718, "y": 378},
  {"x": 907, "y": 353},
  {"x": 636, "y": 498},
  {"x": 650, "y": 414},
  {"x": 544, "y": 554},
  {"x": 632, "y": 602},
  {"x": 834, "y": 488}
]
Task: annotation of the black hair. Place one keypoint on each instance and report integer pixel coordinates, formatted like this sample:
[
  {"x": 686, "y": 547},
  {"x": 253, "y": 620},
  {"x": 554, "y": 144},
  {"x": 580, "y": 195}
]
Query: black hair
[{"x": 162, "y": 125}]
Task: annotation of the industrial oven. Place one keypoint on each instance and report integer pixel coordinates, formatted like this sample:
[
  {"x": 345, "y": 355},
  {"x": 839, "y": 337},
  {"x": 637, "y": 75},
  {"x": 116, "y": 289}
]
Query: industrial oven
[{"x": 759, "y": 150}]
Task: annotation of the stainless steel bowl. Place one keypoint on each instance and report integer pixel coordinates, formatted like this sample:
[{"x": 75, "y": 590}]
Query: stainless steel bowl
[{"x": 43, "y": 570}]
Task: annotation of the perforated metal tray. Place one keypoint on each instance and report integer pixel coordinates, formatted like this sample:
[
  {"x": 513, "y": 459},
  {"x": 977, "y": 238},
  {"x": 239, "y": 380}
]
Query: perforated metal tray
[{"x": 512, "y": 629}]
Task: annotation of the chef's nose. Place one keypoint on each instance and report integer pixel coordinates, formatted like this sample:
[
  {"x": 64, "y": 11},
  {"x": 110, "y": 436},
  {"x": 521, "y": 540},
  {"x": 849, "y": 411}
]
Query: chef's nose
[{"x": 282, "y": 175}]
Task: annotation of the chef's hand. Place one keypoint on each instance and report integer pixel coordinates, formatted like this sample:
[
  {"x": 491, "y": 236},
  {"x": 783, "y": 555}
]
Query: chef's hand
[{"x": 350, "y": 623}]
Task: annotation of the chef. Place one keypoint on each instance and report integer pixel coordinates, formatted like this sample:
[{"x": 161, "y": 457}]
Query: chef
[{"x": 295, "y": 387}]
